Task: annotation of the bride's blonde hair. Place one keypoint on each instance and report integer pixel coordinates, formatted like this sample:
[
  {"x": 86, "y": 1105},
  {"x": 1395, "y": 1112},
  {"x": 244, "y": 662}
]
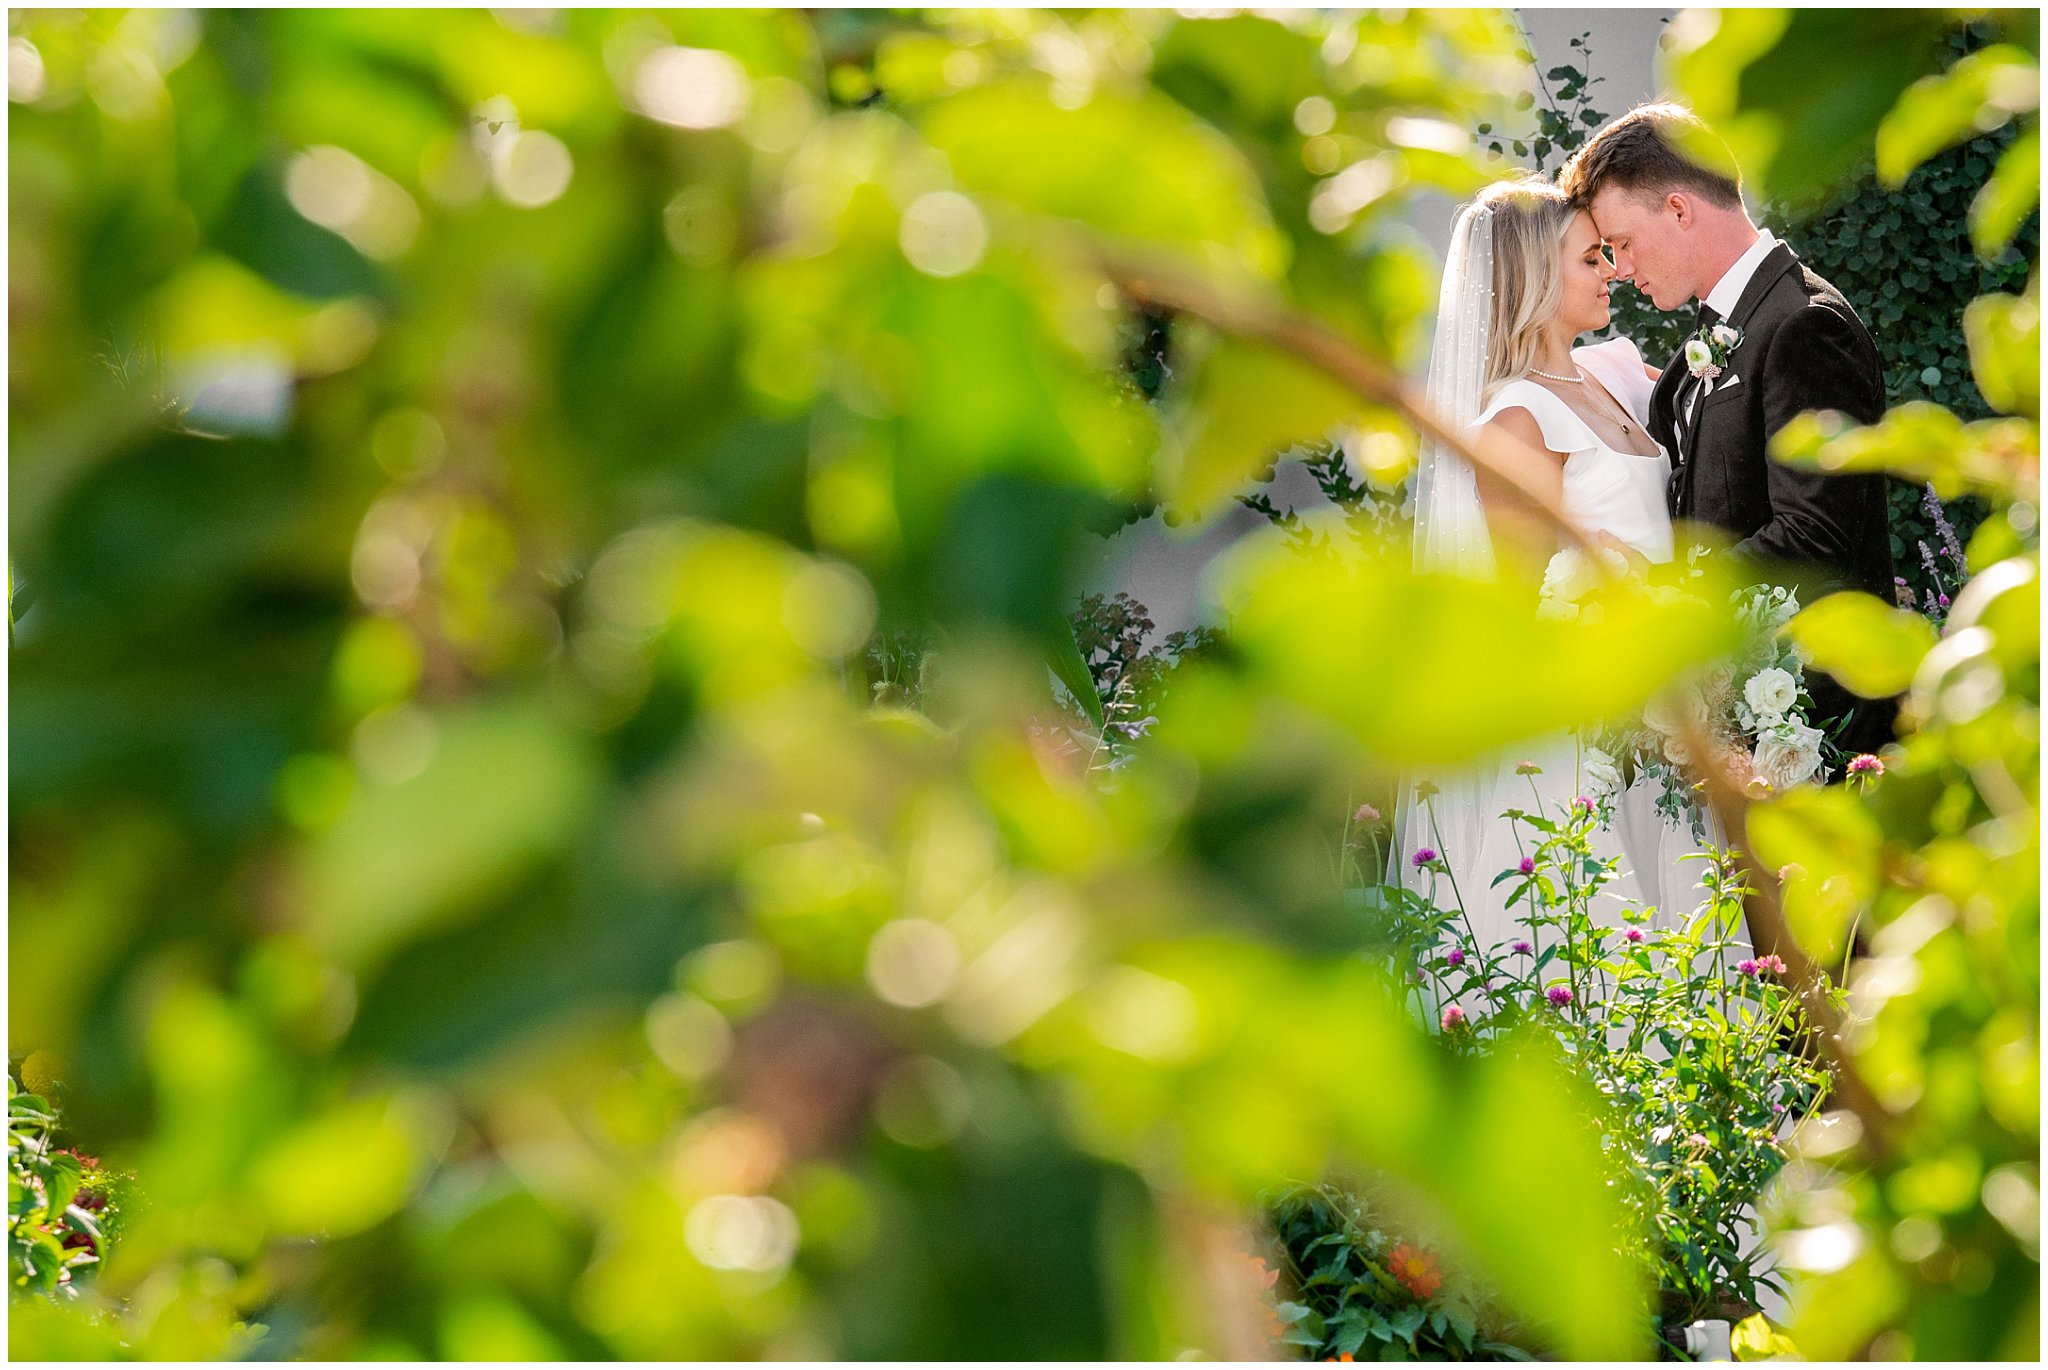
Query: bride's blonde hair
[{"x": 1530, "y": 219}]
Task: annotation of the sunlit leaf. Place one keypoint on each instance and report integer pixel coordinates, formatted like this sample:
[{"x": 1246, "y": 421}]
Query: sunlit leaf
[
  {"x": 2012, "y": 193},
  {"x": 1870, "y": 646},
  {"x": 1138, "y": 169},
  {"x": 1824, "y": 844},
  {"x": 2005, "y": 350},
  {"x": 1977, "y": 94},
  {"x": 339, "y": 1172},
  {"x": 1923, "y": 442},
  {"x": 1431, "y": 669},
  {"x": 471, "y": 800},
  {"x": 1249, "y": 403}
]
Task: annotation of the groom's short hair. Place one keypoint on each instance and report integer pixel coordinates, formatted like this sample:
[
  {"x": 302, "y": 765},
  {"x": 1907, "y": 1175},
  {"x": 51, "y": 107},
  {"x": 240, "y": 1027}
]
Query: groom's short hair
[{"x": 1639, "y": 152}]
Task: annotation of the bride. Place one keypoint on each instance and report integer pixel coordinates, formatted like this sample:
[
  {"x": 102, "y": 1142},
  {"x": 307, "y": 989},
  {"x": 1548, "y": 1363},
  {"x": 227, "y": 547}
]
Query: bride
[{"x": 1525, "y": 277}]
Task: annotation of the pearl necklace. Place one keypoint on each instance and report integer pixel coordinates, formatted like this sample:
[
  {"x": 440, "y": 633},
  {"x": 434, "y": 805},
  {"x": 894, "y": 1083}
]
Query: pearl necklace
[{"x": 1580, "y": 379}]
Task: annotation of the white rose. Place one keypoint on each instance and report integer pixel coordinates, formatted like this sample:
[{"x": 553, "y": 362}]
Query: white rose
[
  {"x": 1676, "y": 751},
  {"x": 1725, "y": 335},
  {"x": 1698, "y": 354},
  {"x": 1672, "y": 711},
  {"x": 1601, "y": 772},
  {"x": 1567, "y": 576},
  {"x": 1716, "y": 684},
  {"x": 1788, "y": 755},
  {"x": 1770, "y": 692}
]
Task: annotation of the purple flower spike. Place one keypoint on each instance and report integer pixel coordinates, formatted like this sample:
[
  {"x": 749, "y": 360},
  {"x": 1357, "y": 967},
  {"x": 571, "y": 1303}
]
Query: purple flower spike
[
  {"x": 1424, "y": 856},
  {"x": 1558, "y": 995},
  {"x": 1454, "y": 957},
  {"x": 1520, "y": 947},
  {"x": 1528, "y": 866},
  {"x": 1746, "y": 967}
]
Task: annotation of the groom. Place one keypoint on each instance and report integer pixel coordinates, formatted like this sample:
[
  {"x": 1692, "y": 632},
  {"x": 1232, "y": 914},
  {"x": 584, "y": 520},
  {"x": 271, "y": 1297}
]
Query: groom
[{"x": 1773, "y": 340}]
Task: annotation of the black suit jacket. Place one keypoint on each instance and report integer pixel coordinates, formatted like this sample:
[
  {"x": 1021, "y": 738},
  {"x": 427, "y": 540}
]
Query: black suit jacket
[{"x": 1802, "y": 348}]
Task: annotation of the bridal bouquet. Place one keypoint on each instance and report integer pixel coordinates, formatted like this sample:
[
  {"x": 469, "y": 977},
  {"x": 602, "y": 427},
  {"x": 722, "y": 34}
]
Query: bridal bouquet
[{"x": 1753, "y": 710}]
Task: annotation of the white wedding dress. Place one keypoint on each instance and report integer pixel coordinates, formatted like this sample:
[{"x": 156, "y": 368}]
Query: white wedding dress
[{"x": 1606, "y": 490}]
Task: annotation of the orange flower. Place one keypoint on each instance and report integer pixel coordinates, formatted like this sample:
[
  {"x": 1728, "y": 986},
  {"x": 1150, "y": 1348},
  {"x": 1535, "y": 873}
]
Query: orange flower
[
  {"x": 1416, "y": 1270},
  {"x": 1263, "y": 1278}
]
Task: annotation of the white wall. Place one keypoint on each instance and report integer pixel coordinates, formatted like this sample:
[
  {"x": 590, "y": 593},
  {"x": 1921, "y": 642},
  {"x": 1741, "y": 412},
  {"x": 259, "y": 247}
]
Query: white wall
[{"x": 1162, "y": 567}]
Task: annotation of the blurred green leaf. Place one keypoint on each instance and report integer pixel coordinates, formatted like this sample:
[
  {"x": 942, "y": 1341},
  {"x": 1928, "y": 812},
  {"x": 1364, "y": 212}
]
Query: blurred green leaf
[
  {"x": 1825, "y": 846},
  {"x": 1870, "y": 646},
  {"x": 340, "y": 1171},
  {"x": 1138, "y": 169},
  {"x": 1978, "y": 93},
  {"x": 1749, "y": 74},
  {"x": 1428, "y": 670},
  {"x": 472, "y": 799},
  {"x": 1922, "y": 442},
  {"x": 2012, "y": 193},
  {"x": 2005, "y": 350},
  {"x": 1248, "y": 403}
]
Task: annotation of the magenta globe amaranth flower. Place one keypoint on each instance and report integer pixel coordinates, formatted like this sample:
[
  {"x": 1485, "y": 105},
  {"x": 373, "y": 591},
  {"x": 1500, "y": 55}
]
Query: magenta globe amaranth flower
[
  {"x": 1366, "y": 814},
  {"x": 1454, "y": 1018},
  {"x": 1520, "y": 947},
  {"x": 1632, "y": 935},
  {"x": 1558, "y": 995},
  {"x": 1528, "y": 866},
  {"x": 1746, "y": 967},
  {"x": 1775, "y": 965},
  {"x": 1454, "y": 957},
  {"x": 1424, "y": 856},
  {"x": 1866, "y": 764},
  {"x": 1582, "y": 805}
]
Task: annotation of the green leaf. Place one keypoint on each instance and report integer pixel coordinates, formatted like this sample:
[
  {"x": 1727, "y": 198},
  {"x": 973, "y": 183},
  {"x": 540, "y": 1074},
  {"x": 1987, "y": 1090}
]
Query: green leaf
[
  {"x": 1872, "y": 647},
  {"x": 2005, "y": 351},
  {"x": 340, "y": 1172},
  {"x": 502, "y": 788},
  {"x": 2012, "y": 193},
  {"x": 1977, "y": 94},
  {"x": 1427, "y": 670},
  {"x": 1138, "y": 168},
  {"x": 1068, "y": 664},
  {"x": 1248, "y": 403},
  {"x": 1825, "y": 845}
]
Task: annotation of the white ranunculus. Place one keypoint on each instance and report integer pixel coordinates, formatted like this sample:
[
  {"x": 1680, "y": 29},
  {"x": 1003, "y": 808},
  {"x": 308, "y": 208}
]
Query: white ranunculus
[
  {"x": 1698, "y": 354},
  {"x": 1726, "y": 335},
  {"x": 1568, "y": 576},
  {"x": 1770, "y": 692},
  {"x": 1788, "y": 754}
]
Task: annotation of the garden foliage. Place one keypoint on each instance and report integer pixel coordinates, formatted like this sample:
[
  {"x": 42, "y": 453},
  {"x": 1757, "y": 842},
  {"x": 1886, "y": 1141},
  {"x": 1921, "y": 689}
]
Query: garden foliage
[{"x": 462, "y": 465}]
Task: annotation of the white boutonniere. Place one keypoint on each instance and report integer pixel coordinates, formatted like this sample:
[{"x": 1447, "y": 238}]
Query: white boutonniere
[{"x": 1707, "y": 354}]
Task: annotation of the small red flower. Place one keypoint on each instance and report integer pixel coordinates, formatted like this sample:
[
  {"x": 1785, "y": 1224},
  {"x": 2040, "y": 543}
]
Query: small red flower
[{"x": 1416, "y": 1270}]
